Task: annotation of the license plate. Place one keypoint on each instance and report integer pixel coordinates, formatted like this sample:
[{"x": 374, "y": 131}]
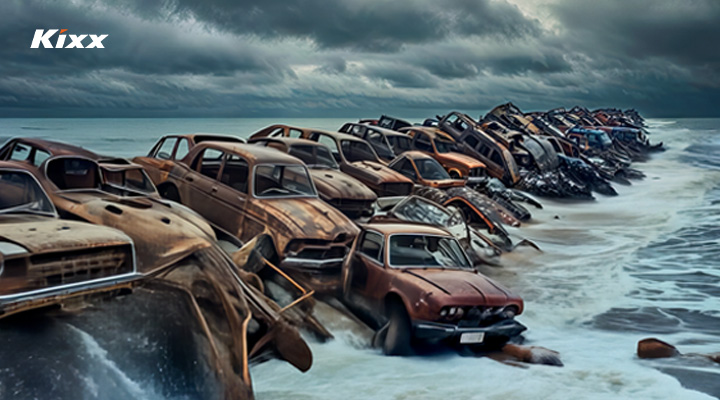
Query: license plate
[{"x": 472, "y": 337}]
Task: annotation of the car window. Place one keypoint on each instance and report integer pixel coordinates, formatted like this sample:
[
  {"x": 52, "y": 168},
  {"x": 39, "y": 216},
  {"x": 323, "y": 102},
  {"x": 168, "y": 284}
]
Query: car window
[
  {"x": 40, "y": 157},
  {"x": 283, "y": 181},
  {"x": 357, "y": 151},
  {"x": 235, "y": 173},
  {"x": 19, "y": 192},
  {"x": 20, "y": 152},
  {"x": 183, "y": 148},
  {"x": 404, "y": 166},
  {"x": 422, "y": 142},
  {"x": 70, "y": 173},
  {"x": 400, "y": 144},
  {"x": 331, "y": 144},
  {"x": 295, "y": 133},
  {"x": 210, "y": 163},
  {"x": 166, "y": 149},
  {"x": 313, "y": 155},
  {"x": 422, "y": 251},
  {"x": 495, "y": 157},
  {"x": 371, "y": 245},
  {"x": 277, "y": 132},
  {"x": 430, "y": 169},
  {"x": 471, "y": 141},
  {"x": 378, "y": 142}
]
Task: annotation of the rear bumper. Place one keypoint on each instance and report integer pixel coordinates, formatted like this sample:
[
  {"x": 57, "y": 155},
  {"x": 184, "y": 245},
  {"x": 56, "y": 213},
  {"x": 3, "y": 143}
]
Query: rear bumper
[{"x": 435, "y": 331}]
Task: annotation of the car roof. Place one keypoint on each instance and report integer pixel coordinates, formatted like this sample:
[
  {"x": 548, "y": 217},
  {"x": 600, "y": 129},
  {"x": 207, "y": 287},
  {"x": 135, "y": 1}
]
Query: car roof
[
  {"x": 256, "y": 154},
  {"x": 385, "y": 131},
  {"x": 431, "y": 131},
  {"x": 415, "y": 155},
  {"x": 288, "y": 141},
  {"x": 59, "y": 148},
  {"x": 392, "y": 228}
]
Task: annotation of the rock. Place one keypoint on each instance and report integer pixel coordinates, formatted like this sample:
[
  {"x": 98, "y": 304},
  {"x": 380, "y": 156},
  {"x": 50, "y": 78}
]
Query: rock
[{"x": 655, "y": 348}]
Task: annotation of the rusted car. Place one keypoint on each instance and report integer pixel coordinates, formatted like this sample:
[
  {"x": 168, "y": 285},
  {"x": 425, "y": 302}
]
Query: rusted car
[
  {"x": 472, "y": 141},
  {"x": 186, "y": 275},
  {"x": 424, "y": 170},
  {"x": 420, "y": 210},
  {"x": 44, "y": 260},
  {"x": 337, "y": 188},
  {"x": 415, "y": 283},
  {"x": 442, "y": 147},
  {"x": 387, "y": 143},
  {"x": 354, "y": 155},
  {"x": 245, "y": 190}
]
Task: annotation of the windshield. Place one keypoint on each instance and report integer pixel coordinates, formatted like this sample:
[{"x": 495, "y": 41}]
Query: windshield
[
  {"x": 357, "y": 151},
  {"x": 423, "y": 251},
  {"x": 417, "y": 209},
  {"x": 430, "y": 169},
  {"x": 20, "y": 193},
  {"x": 314, "y": 156},
  {"x": 133, "y": 179},
  {"x": 600, "y": 138},
  {"x": 283, "y": 181},
  {"x": 400, "y": 144},
  {"x": 378, "y": 142},
  {"x": 444, "y": 146}
]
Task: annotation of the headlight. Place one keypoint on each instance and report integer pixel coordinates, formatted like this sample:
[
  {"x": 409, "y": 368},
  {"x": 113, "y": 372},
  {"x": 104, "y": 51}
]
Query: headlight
[{"x": 452, "y": 312}]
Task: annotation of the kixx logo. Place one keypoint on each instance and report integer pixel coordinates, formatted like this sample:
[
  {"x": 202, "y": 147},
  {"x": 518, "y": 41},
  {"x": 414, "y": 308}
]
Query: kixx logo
[{"x": 42, "y": 37}]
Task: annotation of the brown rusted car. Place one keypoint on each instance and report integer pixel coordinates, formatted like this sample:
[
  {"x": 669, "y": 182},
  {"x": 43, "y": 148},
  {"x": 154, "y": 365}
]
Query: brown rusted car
[
  {"x": 424, "y": 170},
  {"x": 245, "y": 190},
  {"x": 186, "y": 275},
  {"x": 415, "y": 282},
  {"x": 473, "y": 141},
  {"x": 337, "y": 188},
  {"x": 354, "y": 155},
  {"x": 442, "y": 147},
  {"x": 44, "y": 260}
]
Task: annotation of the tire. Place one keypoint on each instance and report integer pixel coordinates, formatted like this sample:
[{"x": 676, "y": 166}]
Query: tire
[{"x": 398, "y": 337}]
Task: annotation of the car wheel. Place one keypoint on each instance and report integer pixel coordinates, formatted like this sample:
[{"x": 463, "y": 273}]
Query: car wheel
[{"x": 398, "y": 337}]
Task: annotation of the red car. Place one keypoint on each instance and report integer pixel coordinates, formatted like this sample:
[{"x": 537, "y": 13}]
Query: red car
[{"x": 415, "y": 282}]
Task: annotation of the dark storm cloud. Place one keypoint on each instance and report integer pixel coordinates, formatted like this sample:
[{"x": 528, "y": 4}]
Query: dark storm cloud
[
  {"x": 371, "y": 25},
  {"x": 349, "y": 57}
]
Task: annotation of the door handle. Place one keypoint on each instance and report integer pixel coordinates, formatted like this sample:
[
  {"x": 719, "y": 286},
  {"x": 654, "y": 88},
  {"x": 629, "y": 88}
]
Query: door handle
[
  {"x": 189, "y": 178},
  {"x": 214, "y": 189}
]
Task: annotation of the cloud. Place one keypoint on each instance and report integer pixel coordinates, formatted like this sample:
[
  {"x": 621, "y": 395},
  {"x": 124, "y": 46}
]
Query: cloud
[{"x": 360, "y": 57}]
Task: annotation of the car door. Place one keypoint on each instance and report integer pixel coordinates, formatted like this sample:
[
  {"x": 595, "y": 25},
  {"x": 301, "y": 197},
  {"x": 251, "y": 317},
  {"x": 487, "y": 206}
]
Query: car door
[
  {"x": 232, "y": 194},
  {"x": 201, "y": 185},
  {"x": 367, "y": 272}
]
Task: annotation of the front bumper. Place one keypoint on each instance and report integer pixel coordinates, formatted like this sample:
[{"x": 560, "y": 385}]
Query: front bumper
[
  {"x": 322, "y": 276},
  {"x": 436, "y": 331}
]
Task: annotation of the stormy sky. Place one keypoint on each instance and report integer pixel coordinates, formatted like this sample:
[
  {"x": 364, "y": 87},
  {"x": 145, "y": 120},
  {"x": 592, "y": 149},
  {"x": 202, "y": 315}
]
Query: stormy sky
[{"x": 338, "y": 58}]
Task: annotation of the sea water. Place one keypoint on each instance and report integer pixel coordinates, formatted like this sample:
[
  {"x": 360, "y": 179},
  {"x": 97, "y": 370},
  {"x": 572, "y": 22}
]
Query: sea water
[{"x": 611, "y": 272}]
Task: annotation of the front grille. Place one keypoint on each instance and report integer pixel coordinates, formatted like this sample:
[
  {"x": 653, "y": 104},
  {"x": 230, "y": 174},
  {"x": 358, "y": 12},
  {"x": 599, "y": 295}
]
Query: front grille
[
  {"x": 395, "y": 189},
  {"x": 57, "y": 269},
  {"x": 480, "y": 316}
]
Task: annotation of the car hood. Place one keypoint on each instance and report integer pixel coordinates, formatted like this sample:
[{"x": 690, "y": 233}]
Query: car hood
[
  {"x": 332, "y": 184},
  {"x": 309, "y": 218},
  {"x": 464, "y": 286},
  {"x": 445, "y": 183},
  {"x": 40, "y": 235},
  {"x": 163, "y": 232},
  {"x": 460, "y": 158},
  {"x": 375, "y": 172}
]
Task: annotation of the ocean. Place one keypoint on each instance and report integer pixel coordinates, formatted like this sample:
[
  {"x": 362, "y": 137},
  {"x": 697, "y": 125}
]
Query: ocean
[{"x": 611, "y": 272}]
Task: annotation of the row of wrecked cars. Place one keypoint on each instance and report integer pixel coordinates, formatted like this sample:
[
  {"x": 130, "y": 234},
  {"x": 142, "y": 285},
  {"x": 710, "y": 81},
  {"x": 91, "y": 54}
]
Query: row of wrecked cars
[{"x": 215, "y": 248}]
